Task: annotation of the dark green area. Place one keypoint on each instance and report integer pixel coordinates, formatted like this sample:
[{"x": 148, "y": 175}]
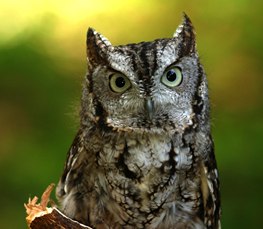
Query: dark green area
[
  {"x": 40, "y": 92},
  {"x": 37, "y": 125}
]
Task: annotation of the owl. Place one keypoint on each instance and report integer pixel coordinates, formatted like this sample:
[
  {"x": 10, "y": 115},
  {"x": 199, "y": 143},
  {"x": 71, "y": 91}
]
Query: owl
[{"x": 143, "y": 156}]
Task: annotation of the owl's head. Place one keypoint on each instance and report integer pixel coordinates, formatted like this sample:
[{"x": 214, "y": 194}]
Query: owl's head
[{"x": 155, "y": 86}]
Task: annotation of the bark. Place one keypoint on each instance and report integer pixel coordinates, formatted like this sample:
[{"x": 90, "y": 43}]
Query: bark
[{"x": 39, "y": 216}]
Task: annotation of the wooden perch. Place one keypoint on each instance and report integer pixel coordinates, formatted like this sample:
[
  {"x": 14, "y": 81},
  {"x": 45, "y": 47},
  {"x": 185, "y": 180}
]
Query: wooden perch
[{"x": 39, "y": 216}]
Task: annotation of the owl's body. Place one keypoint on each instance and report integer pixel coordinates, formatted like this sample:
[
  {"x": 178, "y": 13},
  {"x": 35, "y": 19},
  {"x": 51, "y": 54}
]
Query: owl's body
[{"x": 143, "y": 156}]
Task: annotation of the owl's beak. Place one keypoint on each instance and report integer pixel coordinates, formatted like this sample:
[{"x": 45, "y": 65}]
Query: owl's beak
[{"x": 149, "y": 108}]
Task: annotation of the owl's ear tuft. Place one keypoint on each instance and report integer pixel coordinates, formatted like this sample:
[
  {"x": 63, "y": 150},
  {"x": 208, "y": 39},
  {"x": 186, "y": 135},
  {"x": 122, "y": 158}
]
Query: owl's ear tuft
[
  {"x": 185, "y": 33},
  {"x": 97, "y": 46}
]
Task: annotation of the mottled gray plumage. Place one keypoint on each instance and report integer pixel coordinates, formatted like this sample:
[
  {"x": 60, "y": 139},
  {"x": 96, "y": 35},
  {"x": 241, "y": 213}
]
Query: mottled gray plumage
[{"x": 143, "y": 156}]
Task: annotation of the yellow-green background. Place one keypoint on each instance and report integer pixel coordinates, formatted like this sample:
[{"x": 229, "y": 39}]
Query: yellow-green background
[{"x": 43, "y": 63}]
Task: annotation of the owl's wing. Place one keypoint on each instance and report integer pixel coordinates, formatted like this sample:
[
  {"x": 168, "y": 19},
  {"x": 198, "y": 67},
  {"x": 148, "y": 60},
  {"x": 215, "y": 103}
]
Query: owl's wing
[
  {"x": 75, "y": 187},
  {"x": 71, "y": 175},
  {"x": 211, "y": 190}
]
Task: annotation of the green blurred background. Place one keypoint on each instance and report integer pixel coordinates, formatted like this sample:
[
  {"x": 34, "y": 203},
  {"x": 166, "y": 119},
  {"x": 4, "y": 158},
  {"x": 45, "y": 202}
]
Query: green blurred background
[{"x": 43, "y": 63}]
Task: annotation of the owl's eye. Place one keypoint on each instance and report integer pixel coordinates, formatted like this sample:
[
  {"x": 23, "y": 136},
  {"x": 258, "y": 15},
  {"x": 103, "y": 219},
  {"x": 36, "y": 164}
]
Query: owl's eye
[
  {"x": 173, "y": 77},
  {"x": 119, "y": 83}
]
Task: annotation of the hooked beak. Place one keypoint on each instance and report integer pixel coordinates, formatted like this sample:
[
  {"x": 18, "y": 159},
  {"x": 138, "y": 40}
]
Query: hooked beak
[{"x": 149, "y": 108}]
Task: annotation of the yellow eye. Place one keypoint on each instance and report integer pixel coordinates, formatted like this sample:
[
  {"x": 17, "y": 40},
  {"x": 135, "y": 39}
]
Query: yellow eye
[
  {"x": 172, "y": 77},
  {"x": 119, "y": 83}
]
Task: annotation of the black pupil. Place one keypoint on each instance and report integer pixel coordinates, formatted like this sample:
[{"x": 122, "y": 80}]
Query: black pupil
[
  {"x": 171, "y": 75},
  {"x": 120, "y": 82}
]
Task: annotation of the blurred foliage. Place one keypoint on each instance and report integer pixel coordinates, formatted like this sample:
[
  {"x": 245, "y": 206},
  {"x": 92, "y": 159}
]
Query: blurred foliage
[{"x": 42, "y": 65}]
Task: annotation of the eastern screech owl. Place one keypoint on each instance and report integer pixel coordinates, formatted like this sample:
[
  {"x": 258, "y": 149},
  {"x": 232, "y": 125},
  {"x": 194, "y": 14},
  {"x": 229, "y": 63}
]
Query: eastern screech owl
[{"x": 143, "y": 156}]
